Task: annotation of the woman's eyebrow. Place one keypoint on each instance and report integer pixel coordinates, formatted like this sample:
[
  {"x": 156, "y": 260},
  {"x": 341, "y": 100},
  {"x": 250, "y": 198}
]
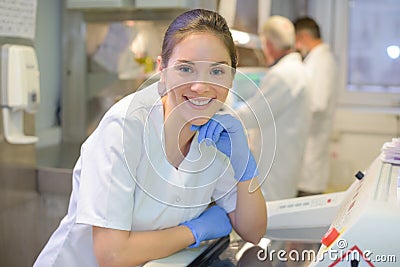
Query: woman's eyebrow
[
  {"x": 220, "y": 63},
  {"x": 180, "y": 61}
]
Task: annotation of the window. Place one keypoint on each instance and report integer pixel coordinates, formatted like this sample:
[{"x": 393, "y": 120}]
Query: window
[{"x": 374, "y": 46}]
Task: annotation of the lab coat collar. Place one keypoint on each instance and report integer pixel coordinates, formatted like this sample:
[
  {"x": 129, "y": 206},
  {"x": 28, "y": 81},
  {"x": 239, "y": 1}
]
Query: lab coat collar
[
  {"x": 285, "y": 57},
  {"x": 318, "y": 49}
]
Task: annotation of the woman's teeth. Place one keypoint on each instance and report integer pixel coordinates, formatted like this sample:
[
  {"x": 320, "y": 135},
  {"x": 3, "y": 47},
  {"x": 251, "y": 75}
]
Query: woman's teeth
[{"x": 200, "y": 102}]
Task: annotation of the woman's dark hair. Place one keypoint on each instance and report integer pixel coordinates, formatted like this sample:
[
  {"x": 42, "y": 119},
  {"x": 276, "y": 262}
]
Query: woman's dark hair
[{"x": 197, "y": 20}]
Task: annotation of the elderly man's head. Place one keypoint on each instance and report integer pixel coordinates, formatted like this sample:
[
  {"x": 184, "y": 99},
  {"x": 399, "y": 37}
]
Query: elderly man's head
[{"x": 278, "y": 37}]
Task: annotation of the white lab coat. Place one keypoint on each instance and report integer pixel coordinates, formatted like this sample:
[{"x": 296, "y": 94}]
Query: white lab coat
[
  {"x": 122, "y": 180},
  {"x": 285, "y": 88},
  {"x": 321, "y": 68}
]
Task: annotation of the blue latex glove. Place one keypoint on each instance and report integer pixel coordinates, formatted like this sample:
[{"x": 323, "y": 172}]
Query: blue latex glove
[
  {"x": 212, "y": 223},
  {"x": 226, "y": 132}
]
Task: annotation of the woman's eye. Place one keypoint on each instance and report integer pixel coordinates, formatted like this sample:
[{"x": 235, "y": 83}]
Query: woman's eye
[
  {"x": 185, "y": 69},
  {"x": 217, "y": 71}
]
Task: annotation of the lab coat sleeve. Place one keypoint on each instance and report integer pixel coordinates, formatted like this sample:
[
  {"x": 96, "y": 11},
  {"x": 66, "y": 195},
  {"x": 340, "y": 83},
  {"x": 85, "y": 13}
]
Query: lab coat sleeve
[
  {"x": 106, "y": 191},
  {"x": 225, "y": 193},
  {"x": 273, "y": 96}
]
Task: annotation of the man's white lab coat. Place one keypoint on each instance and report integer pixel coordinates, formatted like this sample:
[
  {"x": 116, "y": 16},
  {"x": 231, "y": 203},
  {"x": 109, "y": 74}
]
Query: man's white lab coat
[
  {"x": 284, "y": 87},
  {"x": 321, "y": 68}
]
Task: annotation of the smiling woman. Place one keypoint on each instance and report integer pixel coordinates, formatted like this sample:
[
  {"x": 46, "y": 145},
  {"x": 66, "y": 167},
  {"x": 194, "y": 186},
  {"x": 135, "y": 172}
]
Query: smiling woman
[{"x": 145, "y": 178}]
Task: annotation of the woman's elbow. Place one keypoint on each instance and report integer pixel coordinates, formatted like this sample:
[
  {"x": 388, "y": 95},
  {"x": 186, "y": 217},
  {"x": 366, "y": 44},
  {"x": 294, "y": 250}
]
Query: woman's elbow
[
  {"x": 115, "y": 256},
  {"x": 106, "y": 259},
  {"x": 254, "y": 237},
  {"x": 110, "y": 259},
  {"x": 253, "y": 240},
  {"x": 254, "y": 233},
  {"x": 111, "y": 248}
]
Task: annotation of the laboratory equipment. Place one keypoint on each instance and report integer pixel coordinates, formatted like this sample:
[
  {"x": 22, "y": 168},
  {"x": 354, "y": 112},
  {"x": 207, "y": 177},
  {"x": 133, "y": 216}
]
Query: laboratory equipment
[
  {"x": 303, "y": 219},
  {"x": 19, "y": 90},
  {"x": 364, "y": 230}
]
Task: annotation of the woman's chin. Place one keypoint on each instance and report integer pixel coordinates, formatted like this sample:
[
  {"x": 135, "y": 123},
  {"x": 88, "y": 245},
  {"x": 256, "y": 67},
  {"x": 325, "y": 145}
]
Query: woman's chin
[{"x": 199, "y": 121}]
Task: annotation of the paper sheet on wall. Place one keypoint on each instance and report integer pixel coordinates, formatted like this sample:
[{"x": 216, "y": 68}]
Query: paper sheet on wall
[
  {"x": 116, "y": 41},
  {"x": 18, "y": 18}
]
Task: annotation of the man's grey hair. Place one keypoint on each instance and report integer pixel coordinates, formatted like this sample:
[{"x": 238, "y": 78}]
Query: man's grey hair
[{"x": 280, "y": 32}]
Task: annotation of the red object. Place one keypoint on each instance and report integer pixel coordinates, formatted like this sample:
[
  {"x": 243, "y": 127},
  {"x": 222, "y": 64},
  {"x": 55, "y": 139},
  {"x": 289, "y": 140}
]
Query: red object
[{"x": 330, "y": 236}]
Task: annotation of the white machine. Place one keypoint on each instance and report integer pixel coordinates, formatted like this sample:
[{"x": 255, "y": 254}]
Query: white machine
[
  {"x": 19, "y": 90},
  {"x": 303, "y": 219},
  {"x": 364, "y": 230}
]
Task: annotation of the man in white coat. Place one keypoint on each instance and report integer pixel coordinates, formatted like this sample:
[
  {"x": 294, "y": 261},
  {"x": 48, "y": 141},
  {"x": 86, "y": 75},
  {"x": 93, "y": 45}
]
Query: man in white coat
[
  {"x": 321, "y": 68},
  {"x": 284, "y": 87}
]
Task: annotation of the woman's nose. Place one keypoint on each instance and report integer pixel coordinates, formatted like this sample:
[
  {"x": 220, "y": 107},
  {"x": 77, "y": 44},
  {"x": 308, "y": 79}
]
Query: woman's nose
[{"x": 199, "y": 87}]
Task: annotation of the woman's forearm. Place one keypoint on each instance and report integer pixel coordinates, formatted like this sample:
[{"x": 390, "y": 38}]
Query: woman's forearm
[
  {"x": 250, "y": 217},
  {"x": 124, "y": 248}
]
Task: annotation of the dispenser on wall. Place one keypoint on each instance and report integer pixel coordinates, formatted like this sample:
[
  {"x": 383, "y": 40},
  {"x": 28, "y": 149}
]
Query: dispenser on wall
[{"x": 19, "y": 90}]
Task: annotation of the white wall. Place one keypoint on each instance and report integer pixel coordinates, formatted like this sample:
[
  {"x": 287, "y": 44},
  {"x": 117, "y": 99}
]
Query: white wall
[
  {"x": 357, "y": 139},
  {"x": 49, "y": 48}
]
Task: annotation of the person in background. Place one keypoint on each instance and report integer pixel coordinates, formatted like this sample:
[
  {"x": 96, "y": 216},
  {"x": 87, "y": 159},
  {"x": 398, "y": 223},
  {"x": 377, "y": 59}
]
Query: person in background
[
  {"x": 285, "y": 88},
  {"x": 322, "y": 70},
  {"x": 147, "y": 175}
]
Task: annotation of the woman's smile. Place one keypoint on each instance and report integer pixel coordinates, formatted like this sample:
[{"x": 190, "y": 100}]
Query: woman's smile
[{"x": 201, "y": 101}]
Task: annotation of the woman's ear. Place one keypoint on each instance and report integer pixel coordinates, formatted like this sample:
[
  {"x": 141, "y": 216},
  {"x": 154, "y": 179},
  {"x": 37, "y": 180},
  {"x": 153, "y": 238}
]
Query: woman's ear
[
  {"x": 159, "y": 63},
  {"x": 162, "y": 90}
]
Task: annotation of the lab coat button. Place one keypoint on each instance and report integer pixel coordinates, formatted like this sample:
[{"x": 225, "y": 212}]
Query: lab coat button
[{"x": 178, "y": 199}]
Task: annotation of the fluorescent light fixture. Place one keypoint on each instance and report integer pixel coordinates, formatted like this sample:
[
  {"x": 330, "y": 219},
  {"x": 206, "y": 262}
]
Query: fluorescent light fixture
[
  {"x": 245, "y": 39},
  {"x": 240, "y": 37}
]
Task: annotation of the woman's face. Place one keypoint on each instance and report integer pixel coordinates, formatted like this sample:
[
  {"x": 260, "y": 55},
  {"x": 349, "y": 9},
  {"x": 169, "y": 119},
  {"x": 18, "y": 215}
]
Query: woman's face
[{"x": 198, "y": 78}]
